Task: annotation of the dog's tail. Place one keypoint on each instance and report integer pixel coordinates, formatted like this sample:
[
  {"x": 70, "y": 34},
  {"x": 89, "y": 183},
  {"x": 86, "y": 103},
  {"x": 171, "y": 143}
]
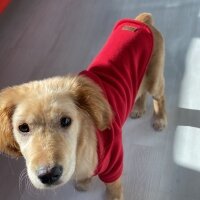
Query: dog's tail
[{"x": 145, "y": 18}]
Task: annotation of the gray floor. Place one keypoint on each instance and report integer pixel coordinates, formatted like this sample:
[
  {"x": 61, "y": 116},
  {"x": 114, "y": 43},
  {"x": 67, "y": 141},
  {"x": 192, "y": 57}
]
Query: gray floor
[{"x": 43, "y": 38}]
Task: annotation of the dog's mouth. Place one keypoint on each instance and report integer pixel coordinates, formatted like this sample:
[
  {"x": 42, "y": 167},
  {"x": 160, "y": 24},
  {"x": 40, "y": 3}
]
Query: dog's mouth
[{"x": 53, "y": 185}]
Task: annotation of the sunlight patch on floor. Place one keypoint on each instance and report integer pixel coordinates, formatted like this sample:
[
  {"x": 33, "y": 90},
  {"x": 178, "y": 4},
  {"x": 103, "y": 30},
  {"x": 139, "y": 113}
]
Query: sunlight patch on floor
[
  {"x": 187, "y": 147},
  {"x": 189, "y": 95}
]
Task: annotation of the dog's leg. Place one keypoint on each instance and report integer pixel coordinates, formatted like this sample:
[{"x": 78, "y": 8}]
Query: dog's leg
[
  {"x": 83, "y": 185},
  {"x": 155, "y": 81},
  {"x": 159, "y": 120},
  {"x": 139, "y": 107},
  {"x": 114, "y": 190}
]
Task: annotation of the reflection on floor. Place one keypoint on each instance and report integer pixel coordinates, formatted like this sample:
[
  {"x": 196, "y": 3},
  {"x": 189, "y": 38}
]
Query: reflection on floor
[
  {"x": 189, "y": 97},
  {"x": 39, "y": 39},
  {"x": 187, "y": 148}
]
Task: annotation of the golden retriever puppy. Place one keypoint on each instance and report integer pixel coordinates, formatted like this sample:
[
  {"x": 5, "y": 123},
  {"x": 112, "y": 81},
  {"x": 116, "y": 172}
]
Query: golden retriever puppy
[{"x": 71, "y": 125}]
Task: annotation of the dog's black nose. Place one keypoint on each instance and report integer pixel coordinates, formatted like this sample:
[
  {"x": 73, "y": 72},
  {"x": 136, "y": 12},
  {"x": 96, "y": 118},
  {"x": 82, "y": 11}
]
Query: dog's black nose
[{"x": 49, "y": 176}]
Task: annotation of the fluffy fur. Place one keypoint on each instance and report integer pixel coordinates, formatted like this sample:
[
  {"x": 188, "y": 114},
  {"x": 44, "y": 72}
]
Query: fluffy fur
[{"x": 41, "y": 104}]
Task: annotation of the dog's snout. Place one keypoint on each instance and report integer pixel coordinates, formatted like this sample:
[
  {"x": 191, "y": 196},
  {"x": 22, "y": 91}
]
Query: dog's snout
[{"x": 49, "y": 176}]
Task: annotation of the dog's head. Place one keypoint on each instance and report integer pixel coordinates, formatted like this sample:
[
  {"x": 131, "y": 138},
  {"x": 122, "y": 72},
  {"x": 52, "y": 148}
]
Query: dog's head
[{"x": 43, "y": 121}]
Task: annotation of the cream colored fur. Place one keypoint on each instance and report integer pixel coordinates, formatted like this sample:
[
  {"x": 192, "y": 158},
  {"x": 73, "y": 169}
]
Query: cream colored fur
[{"x": 41, "y": 104}]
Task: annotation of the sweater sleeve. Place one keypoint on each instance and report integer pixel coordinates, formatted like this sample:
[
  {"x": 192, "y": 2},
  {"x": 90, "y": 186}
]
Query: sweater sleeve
[{"x": 115, "y": 160}]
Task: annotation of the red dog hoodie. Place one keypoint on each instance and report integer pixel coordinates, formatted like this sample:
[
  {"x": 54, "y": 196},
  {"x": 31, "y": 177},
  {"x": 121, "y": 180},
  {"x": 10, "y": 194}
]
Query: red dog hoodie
[{"x": 118, "y": 69}]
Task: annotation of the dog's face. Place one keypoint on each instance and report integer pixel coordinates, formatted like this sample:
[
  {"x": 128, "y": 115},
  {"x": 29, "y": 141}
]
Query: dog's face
[
  {"x": 47, "y": 128},
  {"x": 43, "y": 121}
]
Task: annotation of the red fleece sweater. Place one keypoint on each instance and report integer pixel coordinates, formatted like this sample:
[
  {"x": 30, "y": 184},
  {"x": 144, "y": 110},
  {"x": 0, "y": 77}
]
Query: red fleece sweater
[{"x": 118, "y": 69}]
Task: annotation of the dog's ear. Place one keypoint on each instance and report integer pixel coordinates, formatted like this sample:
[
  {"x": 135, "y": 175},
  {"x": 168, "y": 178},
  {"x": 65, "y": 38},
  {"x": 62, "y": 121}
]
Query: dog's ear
[
  {"x": 89, "y": 98},
  {"x": 8, "y": 145}
]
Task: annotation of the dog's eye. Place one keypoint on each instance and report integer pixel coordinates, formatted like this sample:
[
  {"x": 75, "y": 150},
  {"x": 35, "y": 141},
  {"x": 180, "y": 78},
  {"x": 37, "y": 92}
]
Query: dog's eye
[
  {"x": 24, "y": 128},
  {"x": 65, "y": 121}
]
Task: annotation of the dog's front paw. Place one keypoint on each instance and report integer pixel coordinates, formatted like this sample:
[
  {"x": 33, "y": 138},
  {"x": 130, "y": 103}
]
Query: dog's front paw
[
  {"x": 83, "y": 185},
  {"x": 159, "y": 123},
  {"x": 114, "y": 197},
  {"x": 114, "y": 191},
  {"x": 137, "y": 113}
]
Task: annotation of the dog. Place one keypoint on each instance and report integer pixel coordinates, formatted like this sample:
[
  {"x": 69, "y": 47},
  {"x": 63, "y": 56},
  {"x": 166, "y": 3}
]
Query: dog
[{"x": 71, "y": 126}]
